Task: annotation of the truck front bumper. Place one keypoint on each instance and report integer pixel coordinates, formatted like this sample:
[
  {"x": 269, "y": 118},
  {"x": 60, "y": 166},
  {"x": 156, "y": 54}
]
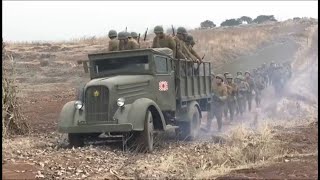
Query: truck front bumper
[{"x": 96, "y": 128}]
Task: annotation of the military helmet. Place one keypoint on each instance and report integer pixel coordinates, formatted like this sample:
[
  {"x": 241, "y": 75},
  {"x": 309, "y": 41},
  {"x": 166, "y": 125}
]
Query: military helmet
[
  {"x": 158, "y": 29},
  {"x": 122, "y": 35},
  {"x": 112, "y": 33},
  {"x": 220, "y": 76},
  {"x": 239, "y": 72},
  {"x": 226, "y": 73},
  {"x": 238, "y": 77},
  {"x": 212, "y": 74},
  {"x": 134, "y": 34},
  {"x": 189, "y": 39},
  {"x": 182, "y": 30},
  {"x": 247, "y": 72},
  {"x": 229, "y": 76}
]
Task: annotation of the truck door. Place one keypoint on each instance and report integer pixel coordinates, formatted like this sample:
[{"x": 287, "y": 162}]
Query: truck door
[{"x": 165, "y": 87}]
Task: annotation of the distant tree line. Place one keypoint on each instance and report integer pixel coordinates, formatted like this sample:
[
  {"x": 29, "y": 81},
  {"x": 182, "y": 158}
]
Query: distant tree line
[{"x": 242, "y": 20}]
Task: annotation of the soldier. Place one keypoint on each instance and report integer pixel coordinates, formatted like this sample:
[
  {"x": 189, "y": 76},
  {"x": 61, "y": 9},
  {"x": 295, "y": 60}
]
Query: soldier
[
  {"x": 132, "y": 43},
  {"x": 163, "y": 40},
  {"x": 134, "y": 36},
  {"x": 220, "y": 95},
  {"x": 270, "y": 71},
  {"x": 258, "y": 80},
  {"x": 180, "y": 38},
  {"x": 278, "y": 80},
  {"x": 113, "y": 43},
  {"x": 250, "y": 81},
  {"x": 225, "y": 109},
  {"x": 237, "y": 104},
  {"x": 123, "y": 41},
  {"x": 190, "y": 43},
  {"x": 243, "y": 88},
  {"x": 239, "y": 73},
  {"x": 232, "y": 90}
]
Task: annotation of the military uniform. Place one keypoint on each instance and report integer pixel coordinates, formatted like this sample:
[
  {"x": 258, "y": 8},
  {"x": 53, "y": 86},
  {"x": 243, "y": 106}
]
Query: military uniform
[
  {"x": 231, "y": 100},
  {"x": 220, "y": 96},
  {"x": 259, "y": 87},
  {"x": 243, "y": 88},
  {"x": 132, "y": 44},
  {"x": 113, "y": 43},
  {"x": 190, "y": 42},
  {"x": 251, "y": 83},
  {"x": 167, "y": 41}
]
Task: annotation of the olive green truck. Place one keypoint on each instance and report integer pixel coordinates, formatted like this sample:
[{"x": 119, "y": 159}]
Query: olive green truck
[{"x": 137, "y": 93}]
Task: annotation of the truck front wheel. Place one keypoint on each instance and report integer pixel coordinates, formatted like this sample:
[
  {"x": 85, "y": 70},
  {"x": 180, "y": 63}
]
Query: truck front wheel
[{"x": 147, "y": 133}]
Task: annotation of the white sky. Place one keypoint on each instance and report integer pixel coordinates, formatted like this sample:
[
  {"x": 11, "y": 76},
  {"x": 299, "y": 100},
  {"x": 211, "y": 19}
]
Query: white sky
[{"x": 63, "y": 20}]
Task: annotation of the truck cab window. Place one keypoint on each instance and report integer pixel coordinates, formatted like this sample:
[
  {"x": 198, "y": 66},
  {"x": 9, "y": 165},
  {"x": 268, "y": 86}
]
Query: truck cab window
[{"x": 161, "y": 64}]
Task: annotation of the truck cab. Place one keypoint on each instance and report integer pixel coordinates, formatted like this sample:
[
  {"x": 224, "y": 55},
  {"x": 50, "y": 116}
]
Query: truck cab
[{"x": 138, "y": 92}]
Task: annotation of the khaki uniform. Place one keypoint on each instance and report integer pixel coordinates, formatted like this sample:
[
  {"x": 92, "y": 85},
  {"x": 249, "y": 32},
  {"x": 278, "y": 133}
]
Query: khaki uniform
[
  {"x": 167, "y": 42},
  {"x": 243, "y": 88},
  {"x": 113, "y": 45},
  {"x": 251, "y": 83},
  {"x": 231, "y": 100},
  {"x": 132, "y": 44},
  {"x": 260, "y": 85},
  {"x": 216, "y": 108},
  {"x": 182, "y": 50},
  {"x": 193, "y": 52}
]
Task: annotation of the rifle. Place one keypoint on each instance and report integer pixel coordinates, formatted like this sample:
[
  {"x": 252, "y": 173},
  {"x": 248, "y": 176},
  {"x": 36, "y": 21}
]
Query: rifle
[
  {"x": 173, "y": 34},
  {"x": 139, "y": 38},
  {"x": 145, "y": 35}
]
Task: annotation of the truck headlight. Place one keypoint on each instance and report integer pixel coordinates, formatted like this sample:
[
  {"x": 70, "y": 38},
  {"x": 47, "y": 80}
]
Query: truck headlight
[
  {"x": 78, "y": 105},
  {"x": 120, "y": 102}
]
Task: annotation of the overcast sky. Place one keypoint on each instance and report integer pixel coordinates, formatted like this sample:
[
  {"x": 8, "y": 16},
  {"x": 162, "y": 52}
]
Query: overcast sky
[{"x": 63, "y": 20}]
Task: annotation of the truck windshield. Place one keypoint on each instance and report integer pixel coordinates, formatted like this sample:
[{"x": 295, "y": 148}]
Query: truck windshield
[{"x": 121, "y": 65}]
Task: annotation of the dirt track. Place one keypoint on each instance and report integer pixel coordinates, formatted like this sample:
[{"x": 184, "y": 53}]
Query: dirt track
[{"x": 24, "y": 157}]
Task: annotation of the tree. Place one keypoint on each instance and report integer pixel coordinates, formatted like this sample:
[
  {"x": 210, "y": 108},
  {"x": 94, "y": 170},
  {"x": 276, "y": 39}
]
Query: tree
[
  {"x": 264, "y": 18},
  {"x": 245, "y": 19},
  {"x": 207, "y": 24},
  {"x": 231, "y": 22}
]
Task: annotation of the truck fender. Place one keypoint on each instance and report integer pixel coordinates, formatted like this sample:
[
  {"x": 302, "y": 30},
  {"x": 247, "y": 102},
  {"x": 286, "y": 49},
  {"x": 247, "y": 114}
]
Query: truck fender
[
  {"x": 135, "y": 114},
  {"x": 66, "y": 117}
]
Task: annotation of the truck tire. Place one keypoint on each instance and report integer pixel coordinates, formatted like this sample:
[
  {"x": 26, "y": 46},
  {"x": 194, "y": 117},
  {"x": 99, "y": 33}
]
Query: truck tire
[
  {"x": 147, "y": 133},
  {"x": 75, "y": 140},
  {"x": 189, "y": 130}
]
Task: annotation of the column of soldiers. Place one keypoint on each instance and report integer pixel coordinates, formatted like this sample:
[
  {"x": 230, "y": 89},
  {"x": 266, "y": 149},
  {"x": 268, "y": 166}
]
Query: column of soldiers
[
  {"x": 234, "y": 95},
  {"x": 181, "y": 44}
]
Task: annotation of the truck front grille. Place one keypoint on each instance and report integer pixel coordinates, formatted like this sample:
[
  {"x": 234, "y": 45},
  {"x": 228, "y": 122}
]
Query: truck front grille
[{"x": 96, "y": 104}]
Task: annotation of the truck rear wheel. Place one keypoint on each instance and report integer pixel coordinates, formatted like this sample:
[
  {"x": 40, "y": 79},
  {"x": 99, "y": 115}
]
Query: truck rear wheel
[
  {"x": 189, "y": 130},
  {"x": 75, "y": 140}
]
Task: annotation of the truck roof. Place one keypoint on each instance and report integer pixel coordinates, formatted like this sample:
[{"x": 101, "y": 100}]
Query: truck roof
[{"x": 161, "y": 51}]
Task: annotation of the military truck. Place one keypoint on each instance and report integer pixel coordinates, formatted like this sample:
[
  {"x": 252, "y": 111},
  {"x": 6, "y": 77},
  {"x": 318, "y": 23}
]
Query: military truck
[{"x": 137, "y": 93}]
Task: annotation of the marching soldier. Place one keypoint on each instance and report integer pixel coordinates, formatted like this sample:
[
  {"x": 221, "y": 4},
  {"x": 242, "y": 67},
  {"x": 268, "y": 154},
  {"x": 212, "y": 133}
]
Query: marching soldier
[
  {"x": 243, "y": 88},
  {"x": 231, "y": 100},
  {"x": 220, "y": 95},
  {"x": 250, "y": 81}
]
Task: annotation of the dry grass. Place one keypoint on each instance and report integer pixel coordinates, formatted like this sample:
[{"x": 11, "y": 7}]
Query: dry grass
[{"x": 13, "y": 121}]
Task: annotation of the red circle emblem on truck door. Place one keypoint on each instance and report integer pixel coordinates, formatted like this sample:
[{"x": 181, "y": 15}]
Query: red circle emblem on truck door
[{"x": 163, "y": 86}]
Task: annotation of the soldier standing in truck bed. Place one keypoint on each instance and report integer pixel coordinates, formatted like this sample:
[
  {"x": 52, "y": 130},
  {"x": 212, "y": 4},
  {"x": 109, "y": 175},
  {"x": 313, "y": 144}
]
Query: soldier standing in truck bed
[
  {"x": 162, "y": 40},
  {"x": 134, "y": 36},
  {"x": 180, "y": 42},
  {"x": 190, "y": 43},
  {"x": 220, "y": 95},
  {"x": 125, "y": 43},
  {"x": 113, "y": 43}
]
